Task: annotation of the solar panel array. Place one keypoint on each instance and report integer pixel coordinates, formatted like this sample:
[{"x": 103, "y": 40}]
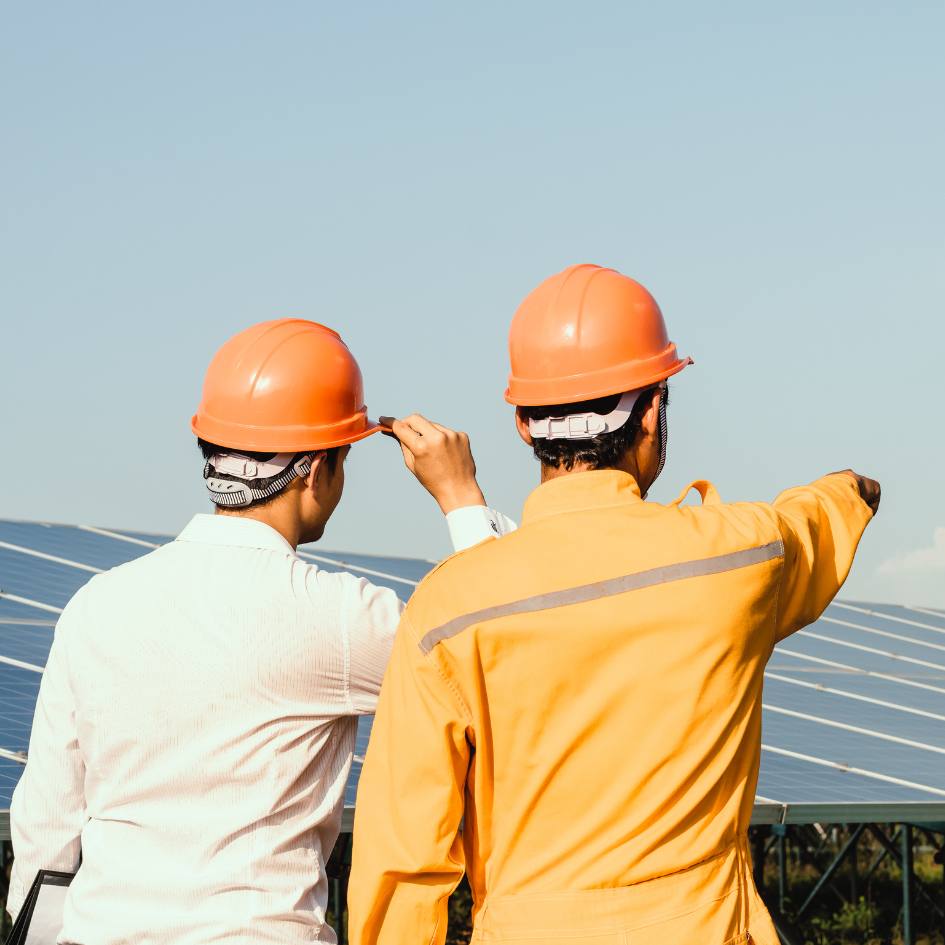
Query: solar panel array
[{"x": 853, "y": 705}]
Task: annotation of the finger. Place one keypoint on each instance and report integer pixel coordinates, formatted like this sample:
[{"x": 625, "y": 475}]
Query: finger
[
  {"x": 409, "y": 458},
  {"x": 387, "y": 422},
  {"x": 407, "y": 434},
  {"x": 421, "y": 425}
]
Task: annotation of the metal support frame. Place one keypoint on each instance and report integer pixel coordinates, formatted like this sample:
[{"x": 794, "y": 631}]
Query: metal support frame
[
  {"x": 915, "y": 889},
  {"x": 908, "y": 876},
  {"x": 827, "y": 874},
  {"x": 810, "y": 842}
]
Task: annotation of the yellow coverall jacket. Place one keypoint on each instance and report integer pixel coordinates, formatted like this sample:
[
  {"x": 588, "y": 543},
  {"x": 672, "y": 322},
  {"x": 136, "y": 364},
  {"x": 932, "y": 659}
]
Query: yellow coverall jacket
[{"x": 572, "y": 714}]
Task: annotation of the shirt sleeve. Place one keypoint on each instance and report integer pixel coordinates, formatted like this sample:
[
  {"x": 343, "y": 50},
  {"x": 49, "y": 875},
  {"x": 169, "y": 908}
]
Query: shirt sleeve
[
  {"x": 821, "y": 526},
  {"x": 472, "y": 524},
  {"x": 48, "y": 810},
  {"x": 373, "y": 614},
  {"x": 408, "y": 854}
]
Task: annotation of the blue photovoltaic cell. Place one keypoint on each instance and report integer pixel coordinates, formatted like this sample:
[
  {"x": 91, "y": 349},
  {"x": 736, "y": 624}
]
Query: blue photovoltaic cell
[
  {"x": 65, "y": 541},
  {"x": 411, "y": 568},
  {"x": 360, "y": 748},
  {"x": 901, "y": 641},
  {"x": 39, "y": 580},
  {"x": 18, "y": 691},
  {"x": 399, "y": 587},
  {"x": 788, "y": 780},
  {"x": 927, "y": 615},
  {"x": 10, "y": 772},
  {"x": 836, "y": 708},
  {"x": 28, "y": 642},
  {"x": 12, "y": 610},
  {"x": 885, "y": 661},
  {"x": 870, "y": 687},
  {"x": 890, "y": 630},
  {"x": 143, "y": 536},
  {"x": 858, "y": 751}
]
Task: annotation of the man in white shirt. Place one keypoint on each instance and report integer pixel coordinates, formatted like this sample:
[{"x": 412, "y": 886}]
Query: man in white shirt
[{"x": 197, "y": 717}]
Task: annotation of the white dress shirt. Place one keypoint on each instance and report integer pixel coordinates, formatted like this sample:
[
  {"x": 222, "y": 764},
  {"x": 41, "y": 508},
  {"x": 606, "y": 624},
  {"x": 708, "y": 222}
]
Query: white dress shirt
[{"x": 193, "y": 736}]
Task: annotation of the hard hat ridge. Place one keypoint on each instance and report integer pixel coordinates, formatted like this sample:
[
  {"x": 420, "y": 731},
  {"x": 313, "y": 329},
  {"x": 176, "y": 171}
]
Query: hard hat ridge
[
  {"x": 287, "y": 385},
  {"x": 584, "y": 333}
]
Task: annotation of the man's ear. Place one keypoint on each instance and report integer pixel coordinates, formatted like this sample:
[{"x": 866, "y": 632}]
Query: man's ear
[
  {"x": 311, "y": 480},
  {"x": 521, "y": 424},
  {"x": 649, "y": 422}
]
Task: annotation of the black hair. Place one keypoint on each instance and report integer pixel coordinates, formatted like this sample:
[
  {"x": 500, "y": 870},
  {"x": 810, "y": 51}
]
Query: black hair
[
  {"x": 604, "y": 451},
  {"x": 209, "y": 449}
]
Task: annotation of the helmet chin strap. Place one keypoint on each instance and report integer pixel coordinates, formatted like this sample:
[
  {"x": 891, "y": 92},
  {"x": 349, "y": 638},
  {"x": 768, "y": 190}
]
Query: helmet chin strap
[{"x": 662, "y": 434}]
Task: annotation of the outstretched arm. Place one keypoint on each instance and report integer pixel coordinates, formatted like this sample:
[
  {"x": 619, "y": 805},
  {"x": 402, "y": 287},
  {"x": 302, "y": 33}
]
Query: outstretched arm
[{"x": 821, "y": 526}]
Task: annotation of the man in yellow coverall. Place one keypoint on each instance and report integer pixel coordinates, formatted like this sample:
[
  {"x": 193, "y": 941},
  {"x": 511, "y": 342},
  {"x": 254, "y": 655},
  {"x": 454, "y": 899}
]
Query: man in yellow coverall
[{"x": 572, "y": 712}]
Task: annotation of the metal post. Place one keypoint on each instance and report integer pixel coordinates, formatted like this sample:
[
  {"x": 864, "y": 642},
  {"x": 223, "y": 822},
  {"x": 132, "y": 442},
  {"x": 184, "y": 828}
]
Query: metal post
[
  {"x": 908, "y": 935},
  {"x": 781, "y": 833},
  {"x": 828, "y": 873},
  {"x": 854, "y": 875},
  {"x": 758, "y": 859}
]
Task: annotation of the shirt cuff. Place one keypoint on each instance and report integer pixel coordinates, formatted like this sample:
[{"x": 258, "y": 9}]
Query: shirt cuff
[{"x": 472, "y": 524}]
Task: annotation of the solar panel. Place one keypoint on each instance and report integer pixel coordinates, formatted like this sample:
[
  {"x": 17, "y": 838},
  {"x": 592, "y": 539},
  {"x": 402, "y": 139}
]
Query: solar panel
[{"x": 853, "y": 705}]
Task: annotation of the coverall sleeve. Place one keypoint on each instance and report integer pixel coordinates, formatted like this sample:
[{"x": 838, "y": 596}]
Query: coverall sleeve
[
  {"x": 48, "y": 810},
  {"x": 821, "y": 525},
  {"x": 408, "y": 854}
]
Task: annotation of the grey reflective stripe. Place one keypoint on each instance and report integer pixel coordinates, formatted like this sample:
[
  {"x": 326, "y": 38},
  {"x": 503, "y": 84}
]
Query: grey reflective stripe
[{"x": 619, "y": 585}]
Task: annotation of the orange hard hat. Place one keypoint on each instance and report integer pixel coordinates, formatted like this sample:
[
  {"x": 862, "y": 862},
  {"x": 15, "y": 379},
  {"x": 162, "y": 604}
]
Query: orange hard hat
[
  {"x": 283, "y": 386},
  {"x": 587, "y": 332}
]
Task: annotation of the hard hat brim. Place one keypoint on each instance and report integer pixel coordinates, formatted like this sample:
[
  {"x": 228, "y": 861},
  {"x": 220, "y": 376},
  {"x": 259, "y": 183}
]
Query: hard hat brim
[
  {"x": 546, "y": 392},
  {"x": 280, "y": 439}
]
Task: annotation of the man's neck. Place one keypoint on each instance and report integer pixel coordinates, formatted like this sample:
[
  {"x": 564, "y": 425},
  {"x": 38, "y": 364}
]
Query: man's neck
[
  {"x": 275, "y": 516},
  {"x": 628, "y": 465}
]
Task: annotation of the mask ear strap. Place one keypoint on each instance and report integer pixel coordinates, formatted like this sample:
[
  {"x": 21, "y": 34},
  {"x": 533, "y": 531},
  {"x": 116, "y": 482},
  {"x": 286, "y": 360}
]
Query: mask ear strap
[{"x": 662, "y": 434}]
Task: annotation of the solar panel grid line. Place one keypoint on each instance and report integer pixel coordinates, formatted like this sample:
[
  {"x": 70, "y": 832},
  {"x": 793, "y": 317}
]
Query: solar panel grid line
[
  {"x": 9, "y": 661},
  {"x": 866, "y": 672},
  {"x": 853, "y": 695},
  {"x": 885, "y": 616},
  {"x": 925, "y": 610},
  {"x": 17, "y": 599},
  {"x": 118, "y": 536},
  {"x": 47, "y": 557},
  {"x": 324, "y": 559},
  {"x": 885, "y": 633},
  {"x": 887, "y": 654},
  {"x": 831, "y": 723},
  {"x": 840, "y": 766}
]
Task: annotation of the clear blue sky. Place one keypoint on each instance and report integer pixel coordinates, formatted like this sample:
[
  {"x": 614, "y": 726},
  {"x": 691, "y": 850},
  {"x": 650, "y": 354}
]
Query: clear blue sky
[{"x": 406, "y": 173}]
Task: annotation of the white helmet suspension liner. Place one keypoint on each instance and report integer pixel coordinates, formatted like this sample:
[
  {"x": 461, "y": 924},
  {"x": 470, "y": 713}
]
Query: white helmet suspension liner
[
  {"x": 233, "y": 494},
  {"x": 585, "y": 426}
]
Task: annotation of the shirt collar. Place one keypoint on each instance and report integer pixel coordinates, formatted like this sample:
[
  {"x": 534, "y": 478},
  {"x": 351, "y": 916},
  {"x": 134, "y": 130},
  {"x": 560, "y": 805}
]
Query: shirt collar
[
  {"x": 597, "y": 488},
  {"x": 235, "y": 531}
]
